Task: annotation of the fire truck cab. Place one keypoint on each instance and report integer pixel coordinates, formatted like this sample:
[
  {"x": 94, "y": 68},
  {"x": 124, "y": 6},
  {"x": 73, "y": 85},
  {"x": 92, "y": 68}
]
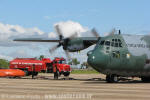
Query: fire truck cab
[{"x": 60, "y": 67}]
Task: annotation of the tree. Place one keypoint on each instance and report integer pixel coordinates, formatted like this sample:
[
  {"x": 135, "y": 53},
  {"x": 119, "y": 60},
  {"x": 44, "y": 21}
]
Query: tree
[
  {"x": 74, "y": 62},
  {"x": 4, "y": 63},
  {"x": 86, "y": 65},
  {"x": 41, "y": 57}
]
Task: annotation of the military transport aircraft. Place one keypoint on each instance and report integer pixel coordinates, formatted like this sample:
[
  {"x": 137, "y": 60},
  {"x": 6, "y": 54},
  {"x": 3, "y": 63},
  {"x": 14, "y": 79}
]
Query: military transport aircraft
[{"x": 115, "y": 55}]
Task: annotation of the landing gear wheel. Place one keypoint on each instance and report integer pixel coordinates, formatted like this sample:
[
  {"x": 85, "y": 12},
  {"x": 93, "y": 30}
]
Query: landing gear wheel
[
  {"x": 112, "y": 78},
  {"x": 56, "y": 74},
  {"x": 145, "y": 79}
]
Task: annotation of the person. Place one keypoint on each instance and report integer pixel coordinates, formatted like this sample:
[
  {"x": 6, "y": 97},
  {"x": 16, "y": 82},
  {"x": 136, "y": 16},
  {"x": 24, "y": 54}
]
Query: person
[{"x": 33, "y": 71}]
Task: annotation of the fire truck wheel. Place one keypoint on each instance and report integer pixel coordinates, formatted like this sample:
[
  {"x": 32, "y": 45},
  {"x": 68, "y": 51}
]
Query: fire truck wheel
[
  {"x": 66, "y": 73},
  {"x": 35, "y": 73}
]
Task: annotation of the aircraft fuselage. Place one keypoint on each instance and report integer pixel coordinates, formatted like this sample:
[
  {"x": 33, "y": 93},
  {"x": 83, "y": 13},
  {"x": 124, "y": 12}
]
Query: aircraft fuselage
[{"x": 124, "y": 55}]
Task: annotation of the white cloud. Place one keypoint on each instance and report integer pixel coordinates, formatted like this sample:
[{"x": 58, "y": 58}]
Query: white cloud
[
  {"x": 52, "y": 35},
  {"x": 21, "y": 53},
  {"x": 69, "y": 27},
  {"x": 7, "y": 31}
]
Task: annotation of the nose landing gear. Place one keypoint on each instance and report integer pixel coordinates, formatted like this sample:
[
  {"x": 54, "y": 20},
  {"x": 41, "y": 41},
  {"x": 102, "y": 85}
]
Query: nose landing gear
[{"x": 112, "y": 78}]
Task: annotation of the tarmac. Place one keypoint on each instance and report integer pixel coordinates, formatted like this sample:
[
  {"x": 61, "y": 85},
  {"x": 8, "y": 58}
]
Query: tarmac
[{"x": 77, "y": 87}]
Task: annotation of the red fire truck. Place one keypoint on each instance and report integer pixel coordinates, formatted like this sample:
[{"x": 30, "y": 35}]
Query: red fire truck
[{"x": 33, "y": 66}]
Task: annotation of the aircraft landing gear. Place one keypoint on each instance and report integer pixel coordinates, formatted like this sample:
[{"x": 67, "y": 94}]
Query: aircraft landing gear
[
  {"x": 112, "y": 78},
  {"x": 145, "y": 79}
]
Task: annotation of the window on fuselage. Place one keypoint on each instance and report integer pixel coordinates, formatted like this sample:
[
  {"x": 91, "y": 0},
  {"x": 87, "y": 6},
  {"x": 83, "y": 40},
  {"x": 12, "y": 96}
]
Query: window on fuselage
[
  {"x": 116, "y": 40},
  {"x": 116, "y": 54},
  {"x": 119, "y": 40},
  {"x": 116, "y": 43},
  {"x": 112, "y": 44},
  {"x": 120, "y": 44},
  {"x": 102, "y": 42},
  {"x": 107, "y": 43}
]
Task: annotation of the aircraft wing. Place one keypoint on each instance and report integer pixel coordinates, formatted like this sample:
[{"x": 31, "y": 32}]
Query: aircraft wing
[
  {"x": 90, "y": 40},
  {"x": 85, "y": 39},
  {"x": 37, "y": 40}
]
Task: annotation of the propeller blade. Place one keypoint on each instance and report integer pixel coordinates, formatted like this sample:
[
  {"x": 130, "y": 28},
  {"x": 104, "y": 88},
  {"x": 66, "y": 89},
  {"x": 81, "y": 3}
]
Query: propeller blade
[
  {"x": 68, "y": 55},
  {"x": 54, "y": 48},
  {"x": 95, "y": 33},
  {"x": 58, "y": 32}
]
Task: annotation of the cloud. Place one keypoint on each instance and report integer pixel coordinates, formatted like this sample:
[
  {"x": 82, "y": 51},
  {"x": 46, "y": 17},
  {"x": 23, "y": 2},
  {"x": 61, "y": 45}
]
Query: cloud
[
  {"x": 19, "y": 54},
  {"x": 52, "y": 35},
  {"x": 70, "y": 27},
  {"x": 7, "y": 31}
]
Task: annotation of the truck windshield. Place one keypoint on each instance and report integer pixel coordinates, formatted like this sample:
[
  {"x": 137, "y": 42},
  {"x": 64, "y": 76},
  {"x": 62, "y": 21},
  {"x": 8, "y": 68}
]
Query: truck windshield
[{"x": 62, "y": 62}]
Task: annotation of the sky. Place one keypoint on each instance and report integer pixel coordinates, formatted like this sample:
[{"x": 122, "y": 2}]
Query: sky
[{"x": 26, "y": 18}]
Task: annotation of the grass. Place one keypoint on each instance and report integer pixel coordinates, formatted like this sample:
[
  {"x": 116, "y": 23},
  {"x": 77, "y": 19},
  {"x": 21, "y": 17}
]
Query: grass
[{"x": 84, "y": 72}]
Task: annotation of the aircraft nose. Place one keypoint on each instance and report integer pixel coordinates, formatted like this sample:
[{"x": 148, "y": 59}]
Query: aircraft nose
[
  {"x": 97, "y": 59},
  {"x": 92, "y": 58}
]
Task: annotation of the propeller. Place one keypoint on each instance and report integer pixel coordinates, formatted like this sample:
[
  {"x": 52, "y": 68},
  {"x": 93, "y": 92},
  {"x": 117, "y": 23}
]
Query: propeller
[
  {"x": 62, "y": 41},
  {"x": 59, "y": 32},
  {"x": 95, "y": 33}
]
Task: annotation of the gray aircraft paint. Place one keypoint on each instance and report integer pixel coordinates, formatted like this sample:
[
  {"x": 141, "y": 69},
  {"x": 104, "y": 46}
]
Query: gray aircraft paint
[{"x": 136, "y": 45}]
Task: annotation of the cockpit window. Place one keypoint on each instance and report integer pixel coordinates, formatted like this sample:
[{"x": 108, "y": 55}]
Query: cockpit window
[
  {"x": 102, "y": 42},
  {"x": 116, "y": 43},
  {"x": 107, "y": 43},
  {"x": 62, "y": 62},
  {"x": 120, "y": 44},
  {"x": 112, "y": 44}
]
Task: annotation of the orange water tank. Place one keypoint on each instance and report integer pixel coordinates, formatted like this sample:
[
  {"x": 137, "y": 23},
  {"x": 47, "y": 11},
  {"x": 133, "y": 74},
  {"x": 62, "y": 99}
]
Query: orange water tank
[
  {"x": 3, "y": 74},
  {"x": 13, "y": 72}
]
